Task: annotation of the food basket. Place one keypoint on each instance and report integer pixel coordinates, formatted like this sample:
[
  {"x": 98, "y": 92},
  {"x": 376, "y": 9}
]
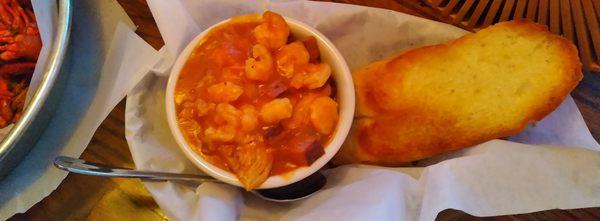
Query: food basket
[{"x": 41, "y": 105}]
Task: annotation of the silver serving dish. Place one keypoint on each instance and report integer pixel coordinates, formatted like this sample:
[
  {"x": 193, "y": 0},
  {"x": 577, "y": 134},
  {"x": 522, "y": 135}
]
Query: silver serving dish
[{"x": 41, "y": 106}]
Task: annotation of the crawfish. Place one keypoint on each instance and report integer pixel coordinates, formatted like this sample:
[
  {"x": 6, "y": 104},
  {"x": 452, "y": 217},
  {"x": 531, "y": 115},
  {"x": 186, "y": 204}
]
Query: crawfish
[
  {"x": 20, "y": 44},
  {"x": 6, "y": 112},
  {"x": 20, "y": 41}
]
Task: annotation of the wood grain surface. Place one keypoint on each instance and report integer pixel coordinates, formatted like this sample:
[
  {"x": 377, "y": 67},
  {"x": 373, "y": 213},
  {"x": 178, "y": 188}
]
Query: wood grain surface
[{"x": 91, "y": 198}]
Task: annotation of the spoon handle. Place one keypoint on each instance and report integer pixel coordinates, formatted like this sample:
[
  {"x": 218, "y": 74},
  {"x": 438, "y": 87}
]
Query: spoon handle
[{"x": 75, "y": 165}]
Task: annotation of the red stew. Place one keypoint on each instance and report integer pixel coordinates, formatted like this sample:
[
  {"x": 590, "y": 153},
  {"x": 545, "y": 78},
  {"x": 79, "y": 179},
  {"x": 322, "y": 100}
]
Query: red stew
[{"x": 254, "y": 103}]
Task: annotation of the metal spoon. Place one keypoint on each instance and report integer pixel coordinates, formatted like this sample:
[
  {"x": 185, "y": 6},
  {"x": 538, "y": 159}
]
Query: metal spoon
[{"x": 293, "y": 192}]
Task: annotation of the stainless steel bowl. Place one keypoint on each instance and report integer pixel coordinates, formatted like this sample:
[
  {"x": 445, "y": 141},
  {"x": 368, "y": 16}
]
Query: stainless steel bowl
[{"x": 41, "y": 106}]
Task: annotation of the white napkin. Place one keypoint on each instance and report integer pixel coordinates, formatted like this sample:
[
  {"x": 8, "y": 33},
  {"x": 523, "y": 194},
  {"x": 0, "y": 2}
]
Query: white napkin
[{"x": 494, "y": 178}]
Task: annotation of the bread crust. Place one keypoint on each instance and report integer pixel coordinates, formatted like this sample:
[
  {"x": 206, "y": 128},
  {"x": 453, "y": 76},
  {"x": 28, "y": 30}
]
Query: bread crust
[{"x": 395, "y": 127}]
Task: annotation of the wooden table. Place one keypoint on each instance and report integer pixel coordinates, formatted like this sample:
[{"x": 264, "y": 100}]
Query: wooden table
[{"x": 91, "y": 198}]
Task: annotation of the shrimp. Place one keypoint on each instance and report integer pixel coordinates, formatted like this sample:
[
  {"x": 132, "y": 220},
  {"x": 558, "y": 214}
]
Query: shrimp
[
  {"x": 290, "y": 56},
  {"x": 203, "y": 107},
  {"x": 273, "y": 32},
  {"x": 221, "y": 134},
  {"x": 224, "y": 92},
  {"x": 301, "y": 115},
  {"x": 260, "y": 66},
  {"x": 276, "y": 110},
  {"x": 229, "y": 117},
  {"x": 227, "y": 114},
  {"x": 249, "y": 119},
  {"x": 324, "y": 114},
  {"x": 198, "y": 108},
  {"x": 314, "y": 76}
]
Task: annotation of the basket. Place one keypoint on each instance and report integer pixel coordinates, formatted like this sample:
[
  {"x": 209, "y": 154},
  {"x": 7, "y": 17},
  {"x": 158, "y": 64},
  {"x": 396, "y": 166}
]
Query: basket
[{"x": 576, "y": 20}]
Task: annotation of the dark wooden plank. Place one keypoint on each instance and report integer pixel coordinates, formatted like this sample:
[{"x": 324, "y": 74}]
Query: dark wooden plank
[{"x": 139, "y": 12}]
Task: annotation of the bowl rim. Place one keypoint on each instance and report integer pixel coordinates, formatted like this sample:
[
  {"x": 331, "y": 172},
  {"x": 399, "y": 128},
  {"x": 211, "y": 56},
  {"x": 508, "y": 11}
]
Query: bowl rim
[
  {"x": 345, "y": 96},
  {"x": 12, "y": 150}
]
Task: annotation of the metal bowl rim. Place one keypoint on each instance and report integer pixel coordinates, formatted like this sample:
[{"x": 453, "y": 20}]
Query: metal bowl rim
[{"x": 50, "y": 72}]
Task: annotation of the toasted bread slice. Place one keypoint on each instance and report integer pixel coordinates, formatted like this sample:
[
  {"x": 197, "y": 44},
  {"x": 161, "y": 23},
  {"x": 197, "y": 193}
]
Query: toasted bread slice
[{"x": 440, "y": 98}]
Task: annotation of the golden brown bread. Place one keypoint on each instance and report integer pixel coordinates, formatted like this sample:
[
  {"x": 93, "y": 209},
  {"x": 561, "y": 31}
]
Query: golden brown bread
[{"x": 440, "y": 98}]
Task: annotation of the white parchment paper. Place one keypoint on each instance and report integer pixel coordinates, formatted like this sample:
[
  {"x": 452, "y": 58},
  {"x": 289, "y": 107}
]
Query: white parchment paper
[
  {"x": 105, "y": 57},
  {"x": 495, "y": 178}
]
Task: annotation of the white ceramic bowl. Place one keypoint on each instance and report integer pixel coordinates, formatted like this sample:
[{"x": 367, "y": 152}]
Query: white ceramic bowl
[{"x": 345, "y": 97}]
